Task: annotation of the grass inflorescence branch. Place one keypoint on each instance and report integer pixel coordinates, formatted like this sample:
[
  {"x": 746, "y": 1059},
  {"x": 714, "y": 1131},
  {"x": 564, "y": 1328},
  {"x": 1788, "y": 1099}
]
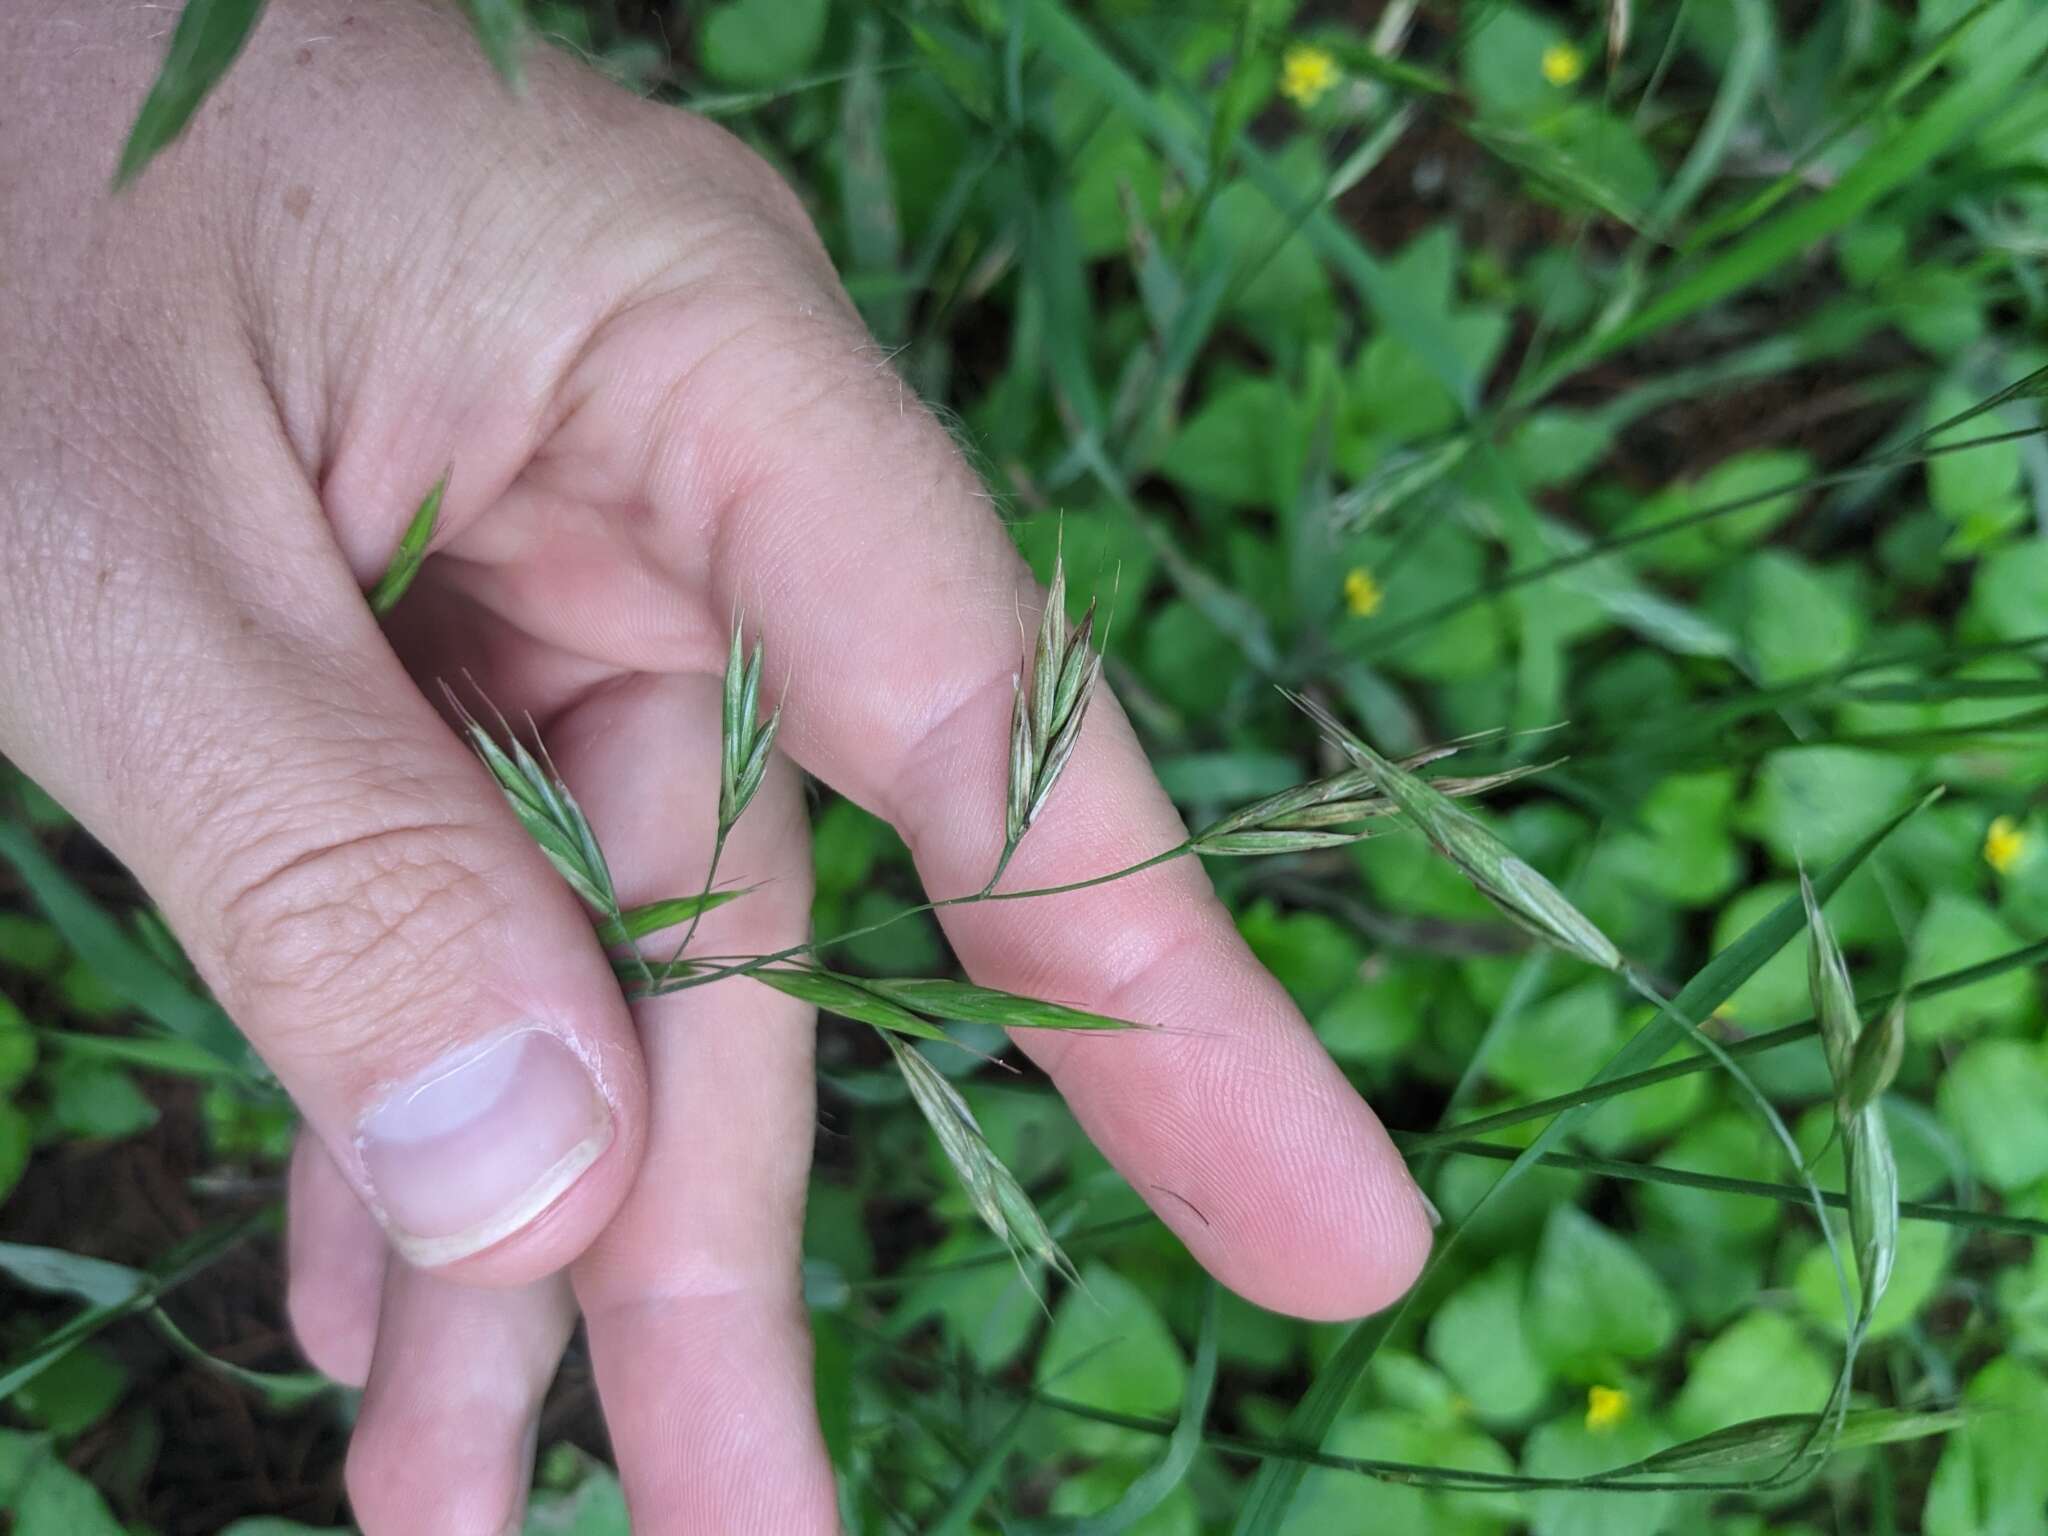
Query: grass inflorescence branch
[{"x": 1372, "y": 792}]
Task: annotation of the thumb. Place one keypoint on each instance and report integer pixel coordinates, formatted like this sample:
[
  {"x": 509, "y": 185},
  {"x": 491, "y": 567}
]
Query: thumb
[{"x": 352, "y": 886}]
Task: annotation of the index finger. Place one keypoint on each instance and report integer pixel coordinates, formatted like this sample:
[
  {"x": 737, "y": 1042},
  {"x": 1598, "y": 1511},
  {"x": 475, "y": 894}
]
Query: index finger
[{"x": 893, "y": 607}]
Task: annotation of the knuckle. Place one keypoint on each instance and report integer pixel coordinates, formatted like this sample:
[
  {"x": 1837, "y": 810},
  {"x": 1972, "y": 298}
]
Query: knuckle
[{"x": 310, "y": 931}]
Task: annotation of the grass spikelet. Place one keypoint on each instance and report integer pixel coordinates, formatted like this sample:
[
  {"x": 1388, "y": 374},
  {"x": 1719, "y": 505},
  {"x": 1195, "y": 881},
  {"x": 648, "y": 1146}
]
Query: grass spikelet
[
  {"x": 1862, "y": 1064},
  {"x": 1772, "y": 1439},
  {"x": 1301, "y": 818},
  {"x": 744, "y": 742},
  {"x": 998, "y": 1199},
  {"x": 547, "y": 811},
  {"x": 1046, "y": 717},
  {"x": 412, "y": 552},
  {"x": 1494, "y": 869}
]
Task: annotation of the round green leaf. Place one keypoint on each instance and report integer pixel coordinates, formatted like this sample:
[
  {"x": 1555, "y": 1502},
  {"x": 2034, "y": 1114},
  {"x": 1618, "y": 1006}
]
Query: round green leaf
[
  {"x": 1995, "y": 1098},
  {"x": 1592, "y": 1300}
]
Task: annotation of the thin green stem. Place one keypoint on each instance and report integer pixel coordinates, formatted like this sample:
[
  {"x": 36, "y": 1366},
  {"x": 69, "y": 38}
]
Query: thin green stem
[
  {"x": 1614, "y": 544},
  {"x": 1625, "y": 1479},
  {"x": 710, "y": 880},
  {"x": 1762, "y": 1189},
  {"x": 755, "y": 962},
  {"x": 1543, "y": 1109},
  {"x": 1002, "y": 866}
]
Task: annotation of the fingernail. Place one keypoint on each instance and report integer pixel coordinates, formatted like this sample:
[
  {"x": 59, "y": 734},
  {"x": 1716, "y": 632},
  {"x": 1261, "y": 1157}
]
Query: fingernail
[{"x": 478, "y": 1145}]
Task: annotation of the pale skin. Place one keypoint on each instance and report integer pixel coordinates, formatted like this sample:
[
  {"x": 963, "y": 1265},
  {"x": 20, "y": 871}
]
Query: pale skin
[{"x": 224, "y": 392}]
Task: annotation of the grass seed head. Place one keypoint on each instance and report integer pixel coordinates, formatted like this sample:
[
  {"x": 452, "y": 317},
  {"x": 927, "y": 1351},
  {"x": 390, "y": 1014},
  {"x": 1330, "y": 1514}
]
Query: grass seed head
[
  {"x": 1300, "y": 819},
  {"x": 998, "y": 1199},
  {"x": 1862, "y": 1063},
  {"x": 545, "y": 808},
  {"x": 1046, "y": 717},
  {"x": 1494, "y": 869},
  {"x": 1874, "y": 1063},
  {"x": 744, "y": 743}
]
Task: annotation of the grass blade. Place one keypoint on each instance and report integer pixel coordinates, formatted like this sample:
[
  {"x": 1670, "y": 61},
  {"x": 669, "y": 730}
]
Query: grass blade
[
  {"x": 849, "y": 998},
  {"x": 1152, "y": 1486},
  {"x": 1890, "y": 163},
  {"x": 638, "y": 922},
  {"x": 1748, "y": 62},
  {"x": 124, "y": 964},
  {"x": 958, "y": 1516},
  {"x": 209, "y": 34},
  {"x": 181, "y": 1264},
  {"x": 941, "y": 999},
  {"x": 500, "y": 25},
  {"x": 1771, "y": 1439}
]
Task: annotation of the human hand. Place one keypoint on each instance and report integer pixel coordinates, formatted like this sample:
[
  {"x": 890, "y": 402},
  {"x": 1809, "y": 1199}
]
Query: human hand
[{"x": 229, "y": 386}]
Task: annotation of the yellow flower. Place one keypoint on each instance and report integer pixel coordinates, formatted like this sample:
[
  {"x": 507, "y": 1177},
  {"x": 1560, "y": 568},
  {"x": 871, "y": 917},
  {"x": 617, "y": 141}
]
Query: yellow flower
[
  {"x": 1306, "y": 74},
  {"x": 1605, "y": 1407},
  {"x": 1563, "y": 64},
  {"x": 2004, "y": 844},
  {"x": 1362, "y": 595}
]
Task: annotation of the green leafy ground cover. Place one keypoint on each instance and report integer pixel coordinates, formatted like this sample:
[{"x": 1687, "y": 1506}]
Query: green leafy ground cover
[{"x": 1460, "y": 372}]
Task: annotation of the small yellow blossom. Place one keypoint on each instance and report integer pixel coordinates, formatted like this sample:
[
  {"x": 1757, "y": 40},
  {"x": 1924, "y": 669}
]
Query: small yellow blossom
[
  {"x": 1563, "y": 64},
  {"x": 2004, "y": 844},
  {"x": 1362, "y": 594},
  {"x": 1306, "y": 74},
  {"x": 1605, "y": 1407}
]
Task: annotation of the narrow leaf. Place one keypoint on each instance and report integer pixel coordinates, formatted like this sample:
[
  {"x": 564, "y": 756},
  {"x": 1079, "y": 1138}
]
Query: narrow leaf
[
  {"x": 71, "y": 1274},
  {"x": 939, "y": 998},
  {"x": 1156, "y": 1483},
  {"x": 121, "y": 961},
  {"x": 639, "y": 922},
  {"x": 500, "y": 25},
  {"x": 209, "y": 34},
  {"x": 849, "y": 998}
]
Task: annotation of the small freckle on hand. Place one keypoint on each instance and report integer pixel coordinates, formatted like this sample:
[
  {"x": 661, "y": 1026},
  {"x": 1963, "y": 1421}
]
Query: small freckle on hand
[
  {"x": 303, "y": 57},
  {"x": 297, "y": 199}
]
